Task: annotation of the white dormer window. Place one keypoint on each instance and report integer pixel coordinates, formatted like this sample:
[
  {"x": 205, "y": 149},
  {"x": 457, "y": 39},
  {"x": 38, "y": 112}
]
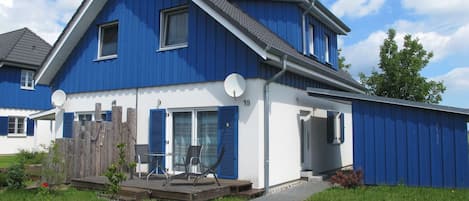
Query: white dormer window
[
  {"x": 311, "y": 40},
  {"x": 108, "y": 35},
  {"x": 27, "y": 79},
  {"x": 327, "y": 57},
  {"x": 174, "y": 27}
]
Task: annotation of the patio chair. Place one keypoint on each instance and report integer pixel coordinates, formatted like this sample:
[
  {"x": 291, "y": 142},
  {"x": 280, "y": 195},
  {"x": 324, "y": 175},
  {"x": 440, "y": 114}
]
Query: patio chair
[
  {"x": 192, "y": 158},
  {"x": 141, "y": 156},
  {"x": 210, "y": 170}
]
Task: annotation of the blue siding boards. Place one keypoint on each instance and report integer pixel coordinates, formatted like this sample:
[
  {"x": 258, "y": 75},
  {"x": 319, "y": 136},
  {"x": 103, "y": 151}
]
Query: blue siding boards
[
  {"x": 15, "y": 97},
  {"x": 211, "y": 55},
  {"x": 416, "y": 147}
]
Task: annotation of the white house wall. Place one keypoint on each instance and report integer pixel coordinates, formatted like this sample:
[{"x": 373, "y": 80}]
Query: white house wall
[
  {"x": 43, "y": 134},
  {"x": 176, "y": 97}
]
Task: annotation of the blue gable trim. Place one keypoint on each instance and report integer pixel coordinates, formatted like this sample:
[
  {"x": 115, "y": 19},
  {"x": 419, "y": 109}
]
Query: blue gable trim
[{"x": 15, "y": 97}]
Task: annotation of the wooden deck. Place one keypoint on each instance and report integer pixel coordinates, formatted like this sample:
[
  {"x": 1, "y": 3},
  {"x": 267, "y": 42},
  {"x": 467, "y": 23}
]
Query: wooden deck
[{"x": 179, "y": 190}]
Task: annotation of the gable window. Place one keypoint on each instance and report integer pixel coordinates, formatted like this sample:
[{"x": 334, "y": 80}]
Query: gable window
[
  {"x": 311, "y": 40},
  {"x": 327, "y": 57},
  {"x": 27, "y": 79},
  {"x": 16, "y": 126},
  {"x": 108, "y": 35},
  {"x": 174, "y": 28}
]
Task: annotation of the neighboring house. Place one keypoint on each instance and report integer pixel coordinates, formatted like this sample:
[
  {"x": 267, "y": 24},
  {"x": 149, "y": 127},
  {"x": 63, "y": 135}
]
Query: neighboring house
[
  {"x": 21, "y": 54},
  {"x": 168, "y": 59}
]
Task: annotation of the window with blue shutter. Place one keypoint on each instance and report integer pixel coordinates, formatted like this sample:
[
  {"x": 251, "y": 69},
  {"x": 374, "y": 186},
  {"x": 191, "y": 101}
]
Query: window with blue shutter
[
  {"x": 157, "y": 137},
  {"x": 68, "y": 124},
  {"x": 3, "y": 126},
  {"x": 228, "y": 138},
  {"x": 30, "y": 127},
  {"x": 335, "y": 127}
]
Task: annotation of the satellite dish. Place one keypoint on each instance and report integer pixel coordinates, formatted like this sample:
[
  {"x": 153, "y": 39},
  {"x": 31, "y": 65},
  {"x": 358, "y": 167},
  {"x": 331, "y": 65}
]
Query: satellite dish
[
  {"x": 235, "y": 85},
  {"x": 58, "y": 98}
]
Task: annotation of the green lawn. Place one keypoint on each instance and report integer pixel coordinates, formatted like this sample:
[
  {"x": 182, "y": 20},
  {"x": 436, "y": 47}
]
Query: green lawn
[
  {"x": 386, "y": 193},
  {"x": 6, "y": 160},
  {"x": 63, "y": 195}
]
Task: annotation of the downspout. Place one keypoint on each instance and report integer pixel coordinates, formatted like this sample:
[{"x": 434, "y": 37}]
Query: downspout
[
  {"x": 303, "y": 23},
  {"x": 266, "y": 122}
]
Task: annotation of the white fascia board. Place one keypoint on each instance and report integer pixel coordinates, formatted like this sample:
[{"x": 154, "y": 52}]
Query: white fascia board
[
  {"x": 64, "y": 46},
  {"x": 291, "y": 66},
  {"x": 233, "y": 29}
]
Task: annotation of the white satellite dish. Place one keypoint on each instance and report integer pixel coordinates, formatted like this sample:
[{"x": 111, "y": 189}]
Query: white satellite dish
[
  {"x": 58, "y": 98},
  {"x": 235, "y": 85}
]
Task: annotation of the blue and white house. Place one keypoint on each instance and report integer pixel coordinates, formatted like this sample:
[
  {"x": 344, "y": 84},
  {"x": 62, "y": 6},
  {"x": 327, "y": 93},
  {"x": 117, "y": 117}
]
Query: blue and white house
[
  {"x": 169, "y": 59},
  {"x": 21, "y": 54}
]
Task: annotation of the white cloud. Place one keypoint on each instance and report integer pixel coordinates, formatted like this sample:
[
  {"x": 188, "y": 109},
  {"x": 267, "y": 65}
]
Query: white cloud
[
  {"x": 437, "y": 7},
  {"x": 457, "y": 87},
  {"x": 356, "y": 8},
  {"x": 44, "y": 17},
  {"x": 364, "y": 55}
]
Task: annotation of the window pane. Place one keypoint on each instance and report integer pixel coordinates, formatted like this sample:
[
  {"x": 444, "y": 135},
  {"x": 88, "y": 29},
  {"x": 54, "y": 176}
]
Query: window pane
[
  {"x": 109, "y": 40},
  {"x": 85, "y": 117},
  {"x": 176, "y": 28},
  {"x": 27, "y": 78},
  {"x": 326, "y": 39},
  {"x": 311, "y": 39},
  {"x": 182, "y": 130},
  {"x": 207, "y": 136},
  {"x": 11, "y": 124},
  {"x": 20, "y": 125}
]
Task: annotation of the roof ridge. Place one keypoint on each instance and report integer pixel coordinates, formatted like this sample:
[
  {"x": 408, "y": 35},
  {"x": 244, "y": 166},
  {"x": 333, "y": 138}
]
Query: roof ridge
[{"x": 16, "y": 42}]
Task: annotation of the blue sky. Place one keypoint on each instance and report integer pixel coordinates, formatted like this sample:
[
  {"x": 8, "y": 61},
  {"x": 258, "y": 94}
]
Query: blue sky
[{"x": 442, "y": 27}]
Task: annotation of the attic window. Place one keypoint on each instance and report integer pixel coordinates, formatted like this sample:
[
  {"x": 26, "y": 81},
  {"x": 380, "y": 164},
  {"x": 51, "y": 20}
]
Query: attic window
[
  {"x": 108, "y": 34},
  {"x": 27, "y": 79},
  {"x": 174, "y": 28}
]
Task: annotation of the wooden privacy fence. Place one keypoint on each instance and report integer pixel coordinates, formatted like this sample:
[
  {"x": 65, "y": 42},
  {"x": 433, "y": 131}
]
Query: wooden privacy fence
[{"x": 93, "y": 147}]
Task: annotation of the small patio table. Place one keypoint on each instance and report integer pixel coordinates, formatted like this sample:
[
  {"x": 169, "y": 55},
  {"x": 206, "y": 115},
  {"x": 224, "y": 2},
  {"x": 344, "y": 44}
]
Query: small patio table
[{"x": 158, "y": 157}]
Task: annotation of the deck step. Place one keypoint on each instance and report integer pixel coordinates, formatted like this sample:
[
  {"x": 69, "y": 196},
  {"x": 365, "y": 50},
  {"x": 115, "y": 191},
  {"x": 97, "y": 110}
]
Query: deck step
[
  {"x": 252, "y": 193},
  {"x": 134, "y": 193}
]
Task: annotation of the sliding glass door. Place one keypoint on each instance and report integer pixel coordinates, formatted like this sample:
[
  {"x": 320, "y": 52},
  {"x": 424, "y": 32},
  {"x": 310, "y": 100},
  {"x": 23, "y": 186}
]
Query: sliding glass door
[{"x": 195, "y": 127}]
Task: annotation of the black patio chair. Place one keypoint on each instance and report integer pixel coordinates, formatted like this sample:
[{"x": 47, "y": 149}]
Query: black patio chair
[
  {"x": 210, "y": 170},
  {"x": 192, "y": 158}
]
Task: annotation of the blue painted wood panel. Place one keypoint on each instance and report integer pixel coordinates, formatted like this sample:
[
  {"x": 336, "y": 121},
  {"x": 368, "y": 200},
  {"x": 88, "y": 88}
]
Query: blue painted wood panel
[
  {"x": 211, "y": 55},
  {"x": 68, "y": 124},
  {"x": 30, "y": 127},
  {"x": 12, "y": 96},
  {"x": 157, "y": 137},
  {"x": 411, "y": 146},
  {"x": 228, "y": 140},
  {"x": 3, "y": 126}
]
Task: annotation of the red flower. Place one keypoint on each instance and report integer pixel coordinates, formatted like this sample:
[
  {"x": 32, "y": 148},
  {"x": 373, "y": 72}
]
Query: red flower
[{"x": 45, "y": 185}]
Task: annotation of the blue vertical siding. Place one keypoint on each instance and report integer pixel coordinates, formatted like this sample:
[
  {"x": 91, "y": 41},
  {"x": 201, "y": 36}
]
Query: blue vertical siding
[
  {"x": 211, "y": 55},
  {"x": 12, "y": 96},
  {"x": 416, "y": 147}
]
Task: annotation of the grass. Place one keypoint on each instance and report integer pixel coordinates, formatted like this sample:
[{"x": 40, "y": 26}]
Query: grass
[
  {"x": 388, "y": 193},
  {"x": 7, "y": 160},
  {"x": 62, "y": 195}
]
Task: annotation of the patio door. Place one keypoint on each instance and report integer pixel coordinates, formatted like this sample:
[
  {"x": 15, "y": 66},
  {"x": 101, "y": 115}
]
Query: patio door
[{"x": 195, "y": 127}]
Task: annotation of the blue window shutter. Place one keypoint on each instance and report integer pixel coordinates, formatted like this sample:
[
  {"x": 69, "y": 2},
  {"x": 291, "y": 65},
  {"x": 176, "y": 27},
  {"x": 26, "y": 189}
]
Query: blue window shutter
[
  {"x": 3, "y": 126},
  {"x": 228, "y": 138},
  {"x": 108, "y": 116},
  {"x": 30, "y": 127},
  {"x": 157, "y": 137},
  {"x": 330, "y": 127},
  {"x": 68, "y": 125},
  {"x": 342, "y": 126}
]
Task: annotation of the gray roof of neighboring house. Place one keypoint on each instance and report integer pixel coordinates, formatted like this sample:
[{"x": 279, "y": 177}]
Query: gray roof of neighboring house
[
  {"x": 353, "y": 96},
  {"x": 264, "y": 37},
  {"x": 23, "y": 47}
]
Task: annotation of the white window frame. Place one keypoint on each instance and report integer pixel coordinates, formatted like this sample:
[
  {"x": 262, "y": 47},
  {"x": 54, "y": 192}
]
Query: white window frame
[
  {"x": 163, "y": 25},
  {"x": 28, "y": 81},
  {"x": 77, "y": 116},
  {"x": 16, "y": 133},
  {"x": 327, "y": 56},
  {"x": 311, "y": 40},
  {"x": 100, "y": 40}
]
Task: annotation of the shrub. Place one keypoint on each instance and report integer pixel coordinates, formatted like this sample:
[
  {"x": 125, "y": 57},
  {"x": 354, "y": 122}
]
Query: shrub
[
  {"x": 30, "y": 157},
  {"x": 16, "y": 176},
  {"x": 348, "y": 179},
  {"x": 3, "y": 179}
]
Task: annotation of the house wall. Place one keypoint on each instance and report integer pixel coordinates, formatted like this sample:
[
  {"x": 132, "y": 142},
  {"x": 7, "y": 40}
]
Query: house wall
[
  {"x": 12, "y": 96},
  {"x": 43, "y": 134},
  {"x": 416, "y": 147},
  {"x": 211, "y": 55},
  {"x": 285, "y": 19},
  {"x": 285, "y": 153}
]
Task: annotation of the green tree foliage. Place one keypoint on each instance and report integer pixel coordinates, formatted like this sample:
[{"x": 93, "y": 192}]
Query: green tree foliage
[
  {"x": 399, "y": 75},
  {"x": 342, "y": 65}
]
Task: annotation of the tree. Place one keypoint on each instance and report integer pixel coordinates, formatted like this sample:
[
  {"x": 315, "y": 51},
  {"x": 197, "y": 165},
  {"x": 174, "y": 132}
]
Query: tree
[
  {"x": 342, "y": 65},
  {"x": 400, "y": 72}
]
